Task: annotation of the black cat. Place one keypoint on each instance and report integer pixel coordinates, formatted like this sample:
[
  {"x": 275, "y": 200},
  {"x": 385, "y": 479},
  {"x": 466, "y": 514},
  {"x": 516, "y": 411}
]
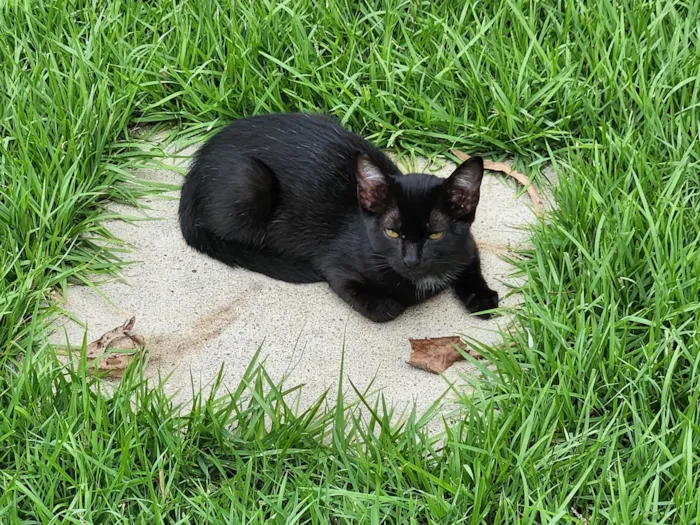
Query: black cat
[{"x": 298, "y": 198}]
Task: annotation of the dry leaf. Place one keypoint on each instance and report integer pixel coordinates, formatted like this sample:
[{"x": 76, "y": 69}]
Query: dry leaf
[
  {"x": 437, "y": 354},
  {"x": 116, "y": 349},
  {"x": 537, "y": 201}
]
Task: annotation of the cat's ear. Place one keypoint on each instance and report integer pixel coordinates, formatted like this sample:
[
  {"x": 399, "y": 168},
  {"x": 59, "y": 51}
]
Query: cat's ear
[
  {"x": 463, "y": 188},
  {"x": 372, "y": 185}
]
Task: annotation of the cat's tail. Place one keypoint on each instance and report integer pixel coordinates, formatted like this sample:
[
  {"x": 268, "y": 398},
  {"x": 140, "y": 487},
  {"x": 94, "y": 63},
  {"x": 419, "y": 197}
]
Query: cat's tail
[
  {"x": 187, "y": 214},
  {"x": 237, "y": 254}
]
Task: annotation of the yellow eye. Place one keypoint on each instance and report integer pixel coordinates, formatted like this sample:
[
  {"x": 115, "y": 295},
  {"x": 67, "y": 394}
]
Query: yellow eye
[
  {"x": 391, "y": 233},
  {"x": 435, "y": 236}
]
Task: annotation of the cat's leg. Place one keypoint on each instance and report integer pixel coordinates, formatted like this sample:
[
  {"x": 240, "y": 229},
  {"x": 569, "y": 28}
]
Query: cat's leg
[
  {"x": 372, "y": 304},
  {"x": 473, "y": 291}
]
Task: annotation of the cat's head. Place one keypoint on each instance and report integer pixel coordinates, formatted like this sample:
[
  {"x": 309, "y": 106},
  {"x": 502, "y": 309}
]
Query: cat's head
[{"x": 418, "y": 224}]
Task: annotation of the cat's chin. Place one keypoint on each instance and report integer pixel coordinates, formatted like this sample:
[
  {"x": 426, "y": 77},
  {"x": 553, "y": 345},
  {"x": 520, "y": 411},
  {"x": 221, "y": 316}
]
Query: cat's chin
[{"x": 429, "y": 284}]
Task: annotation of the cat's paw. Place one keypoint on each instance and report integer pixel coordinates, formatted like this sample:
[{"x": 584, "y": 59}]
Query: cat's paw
[
  {"x": 481, "y": 300},
  {"x": 382, "y": 309}
]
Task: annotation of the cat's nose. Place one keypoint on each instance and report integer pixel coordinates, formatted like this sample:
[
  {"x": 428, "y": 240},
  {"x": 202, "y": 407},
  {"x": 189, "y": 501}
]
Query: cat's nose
[
  {"x": 410, "y": 256},
  {"x": 410, "y": 262}
]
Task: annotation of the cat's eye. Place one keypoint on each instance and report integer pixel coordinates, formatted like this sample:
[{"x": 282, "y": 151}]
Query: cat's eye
[
  {"x": 391, "y": 233},
  {"x": 435, "y": 236}
]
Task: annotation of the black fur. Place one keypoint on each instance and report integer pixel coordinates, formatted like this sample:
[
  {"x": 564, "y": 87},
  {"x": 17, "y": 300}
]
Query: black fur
[{"x": 298, "y": 198}]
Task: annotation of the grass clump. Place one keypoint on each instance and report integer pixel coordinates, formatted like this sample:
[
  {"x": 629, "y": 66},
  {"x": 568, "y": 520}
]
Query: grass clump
[{"x": 591, "y": 418}]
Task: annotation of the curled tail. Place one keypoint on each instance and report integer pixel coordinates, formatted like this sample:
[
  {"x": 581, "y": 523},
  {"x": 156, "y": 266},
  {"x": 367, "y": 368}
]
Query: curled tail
[{"x": 212, "y": 232}]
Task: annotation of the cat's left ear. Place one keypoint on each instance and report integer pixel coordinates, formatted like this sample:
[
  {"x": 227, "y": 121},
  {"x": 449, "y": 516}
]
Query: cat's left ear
[
  {"x": 463, "y": 188},
  {"x": 372, "y": 185}
]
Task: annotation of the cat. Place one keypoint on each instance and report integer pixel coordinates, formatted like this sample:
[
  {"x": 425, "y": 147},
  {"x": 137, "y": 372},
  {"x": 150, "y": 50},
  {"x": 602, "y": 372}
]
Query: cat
[{"x": 300, "y": 199}]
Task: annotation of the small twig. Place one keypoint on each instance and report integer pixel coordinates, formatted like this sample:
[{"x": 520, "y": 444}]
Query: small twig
[{"x": 537, "y": 201}]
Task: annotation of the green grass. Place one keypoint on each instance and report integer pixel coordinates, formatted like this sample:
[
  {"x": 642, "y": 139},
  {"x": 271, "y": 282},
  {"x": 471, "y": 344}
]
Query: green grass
[{"x": 592, "y": 417}]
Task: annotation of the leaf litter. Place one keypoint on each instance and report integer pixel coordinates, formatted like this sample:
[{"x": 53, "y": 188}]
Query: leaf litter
[
  {"x": 437, "y": 354},
  {"x": 116, "y": 349}
]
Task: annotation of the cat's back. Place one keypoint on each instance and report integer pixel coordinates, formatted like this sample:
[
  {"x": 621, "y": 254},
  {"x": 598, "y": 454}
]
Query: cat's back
[
  {"x": 307, "y": 192},
  {"x": 312, "y": 157},
  {"x": 282, "y": 132},
  {"x": 306, "y": 152}
]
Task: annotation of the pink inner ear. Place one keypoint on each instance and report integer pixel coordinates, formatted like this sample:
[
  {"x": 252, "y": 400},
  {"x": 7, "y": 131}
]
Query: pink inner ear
[
  {"x": 374, "y": 199},
  {"x": 373, "y": 196},
  {"x": 464, "y": 201},
  {"x": 463, "y": 187},
  {"x": 372, "y": 186}
]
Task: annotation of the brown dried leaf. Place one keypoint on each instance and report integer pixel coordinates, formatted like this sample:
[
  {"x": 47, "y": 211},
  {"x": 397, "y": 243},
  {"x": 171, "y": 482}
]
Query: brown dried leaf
[
  {"x": 98, "y": 347},
  {"x": 537, "y": 201},
  {"x": 437, "y": 354},
  {"x": 116, "y": 349}
]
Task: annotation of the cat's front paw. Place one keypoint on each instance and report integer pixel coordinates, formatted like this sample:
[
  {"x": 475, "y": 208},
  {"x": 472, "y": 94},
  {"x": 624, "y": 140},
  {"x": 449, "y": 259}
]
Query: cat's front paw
[
  {"x": 481, "y": 300},
  {"x": 382, "y": 309}
]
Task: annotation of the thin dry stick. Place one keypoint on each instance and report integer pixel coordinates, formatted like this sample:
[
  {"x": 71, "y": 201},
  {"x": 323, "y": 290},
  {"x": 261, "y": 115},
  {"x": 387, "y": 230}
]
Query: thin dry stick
[{"x": 537, "y": 201}]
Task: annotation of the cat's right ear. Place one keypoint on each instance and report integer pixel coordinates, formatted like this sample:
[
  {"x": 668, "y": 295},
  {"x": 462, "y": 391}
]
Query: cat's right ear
[{"x": 372, "y": 185}]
